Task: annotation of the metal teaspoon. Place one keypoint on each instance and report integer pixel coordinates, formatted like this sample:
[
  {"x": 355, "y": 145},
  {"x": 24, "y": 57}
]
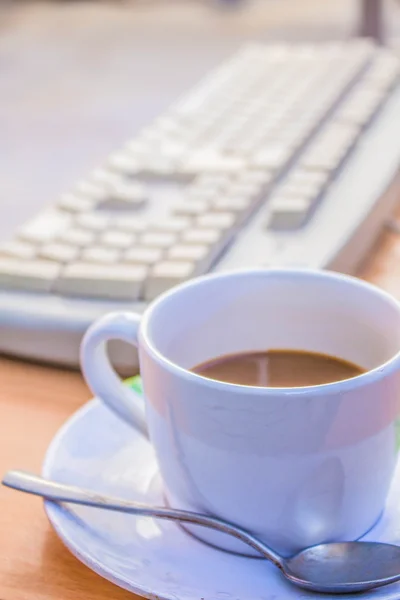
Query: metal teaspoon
[{"x": 335, "y": 568}]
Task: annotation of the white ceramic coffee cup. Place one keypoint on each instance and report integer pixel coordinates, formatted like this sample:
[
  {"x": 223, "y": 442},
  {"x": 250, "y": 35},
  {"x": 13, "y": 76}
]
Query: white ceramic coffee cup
[{"x": 295, "y": 466}]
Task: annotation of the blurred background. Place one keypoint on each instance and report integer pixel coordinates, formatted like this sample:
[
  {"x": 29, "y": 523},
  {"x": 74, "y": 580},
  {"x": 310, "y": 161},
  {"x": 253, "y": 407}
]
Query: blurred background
[{"x": 79, "y": 78}]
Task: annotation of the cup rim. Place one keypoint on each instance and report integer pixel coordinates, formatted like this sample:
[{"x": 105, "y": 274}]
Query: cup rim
[{"x": 326, "y": 388}]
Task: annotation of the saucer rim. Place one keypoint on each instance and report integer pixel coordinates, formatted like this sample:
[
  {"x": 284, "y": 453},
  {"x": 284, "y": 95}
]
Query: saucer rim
[{"x": 51, "y": 509}]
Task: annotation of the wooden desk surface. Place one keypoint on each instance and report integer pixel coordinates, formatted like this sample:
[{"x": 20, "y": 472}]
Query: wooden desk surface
[{"x": 34, "y": 402}]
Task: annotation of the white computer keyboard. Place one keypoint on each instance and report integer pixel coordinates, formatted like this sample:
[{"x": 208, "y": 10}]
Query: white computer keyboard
[{"x": 285, "y": 155}]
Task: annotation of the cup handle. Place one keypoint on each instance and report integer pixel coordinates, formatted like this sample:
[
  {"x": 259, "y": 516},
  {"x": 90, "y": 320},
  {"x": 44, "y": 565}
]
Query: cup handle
[{"x": 101, "y": 376}]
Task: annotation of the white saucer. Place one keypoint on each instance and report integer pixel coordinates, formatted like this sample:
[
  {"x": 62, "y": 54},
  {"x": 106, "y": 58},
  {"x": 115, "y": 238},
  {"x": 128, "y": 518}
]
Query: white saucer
[{"x": 157, "y": 559}]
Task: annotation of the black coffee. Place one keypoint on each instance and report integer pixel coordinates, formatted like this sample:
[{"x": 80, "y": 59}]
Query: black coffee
[{"x": 278, "y": 368}]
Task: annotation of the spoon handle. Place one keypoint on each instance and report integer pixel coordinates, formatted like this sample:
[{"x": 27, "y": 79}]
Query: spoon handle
[{"x": 60, "y": 492}]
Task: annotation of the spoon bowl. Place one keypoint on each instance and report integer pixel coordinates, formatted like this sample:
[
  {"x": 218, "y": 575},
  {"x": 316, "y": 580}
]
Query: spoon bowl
[
  {"x": 344, "y": 567},
  {"x": 333, "y": 568}
]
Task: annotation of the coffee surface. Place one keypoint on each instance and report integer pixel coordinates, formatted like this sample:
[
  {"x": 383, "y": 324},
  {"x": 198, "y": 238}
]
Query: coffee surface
[{"x": 278, "y": 368}]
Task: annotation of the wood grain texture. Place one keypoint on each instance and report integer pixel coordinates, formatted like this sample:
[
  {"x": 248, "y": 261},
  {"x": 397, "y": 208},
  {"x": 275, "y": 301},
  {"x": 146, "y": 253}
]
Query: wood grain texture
[{"x": 34, "y": 564}]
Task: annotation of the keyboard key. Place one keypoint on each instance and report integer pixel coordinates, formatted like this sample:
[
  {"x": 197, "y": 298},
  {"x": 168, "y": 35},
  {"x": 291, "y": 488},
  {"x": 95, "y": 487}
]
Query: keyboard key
[
  {"x": 190, "y": 208},
  {"x": 151, "y": 136},
  {"x": 117, "y": 239},
  {"x": 99, "y": 254},
  {"x": 246, "y": 189},
  {"x": 235, "y": 204},
  {"x": 133, "y": 194},
  {"x": 272, "y": 157},
  {"x": 167, "y": 123},
  {"x": 165, "y": 275},
  {"x": 158, "y": 239},
  {"x": 214, "y": 181},
  {"x": 214, "y": 163},
  {"x": 245, "y": 146},
  {"x": 105, "y": 178},
  {"x": 129, "y": 224},
  {"x": 301, "y": 176},
  {"x": 171, "y": 150},
  {"x": 32, "y": 276},
  {"x": 74, "y": 203},
  {"x": 172, "y": 224},
  {"x": 143, "y": 256},
  {"x": 338, "y": 136},
  {"x": 201, "y": 236},
  {"x": 261, "y": 177},
  {"x": 18, "y": 249},
  {"x": 59, "y": 252},
  {"x": 287, "y": 212},
  {"x": 45, "y": 227},
  {"x": 77, "y": 237},
  {"x": 124, "y": 163},
  {"x": 200, "y": 255},
  {"x": 120, "y": 193},
  {"x": 93, "y": 221},
  {"x": 385, "y": 67},
  {"x": 92, "y": 190},
  {"x": 199, "y": 194},
  {"x": 318, "y": 159},
  {"x": 293, "y": 190},
  {"x": 217, "y": 220},
  {"x": 117, "y": 282},
  {"x": 134, "y": 148},
  {"x": 157, "y": 166}
]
